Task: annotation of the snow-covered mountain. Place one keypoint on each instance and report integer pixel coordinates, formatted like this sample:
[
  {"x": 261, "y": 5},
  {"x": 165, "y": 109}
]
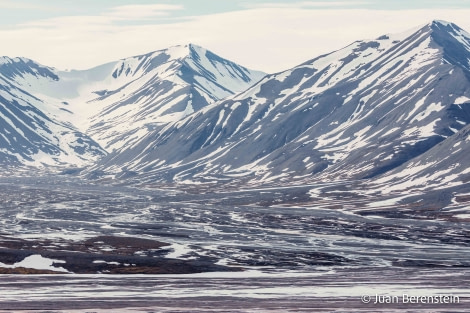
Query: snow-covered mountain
[
  {"x": 30, "y": 133},
  {"x": 444, "y": 165},
  {"x": 358, "y": 112},
  {"x": 145, "y": 92},
  {"x": 116, "y": 104},
  {"x": 394, "y": 110}
]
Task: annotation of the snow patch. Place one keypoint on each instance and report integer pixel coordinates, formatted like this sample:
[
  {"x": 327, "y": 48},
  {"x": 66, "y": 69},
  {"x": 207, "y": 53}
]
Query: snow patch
[
  {"x": 37, "y": 262},
  {"x": 461, "y": 100}
]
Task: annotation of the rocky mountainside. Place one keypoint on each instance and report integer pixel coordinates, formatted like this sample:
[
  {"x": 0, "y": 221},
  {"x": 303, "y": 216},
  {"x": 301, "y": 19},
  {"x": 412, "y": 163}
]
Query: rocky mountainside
[
  {"x": 394, "y": 110},
  {"x": 30, "y": 132},
  {"x": 49, "y": 116},
  {"x": 145, "y": 92},
  {"x": 359, "y": 112}
]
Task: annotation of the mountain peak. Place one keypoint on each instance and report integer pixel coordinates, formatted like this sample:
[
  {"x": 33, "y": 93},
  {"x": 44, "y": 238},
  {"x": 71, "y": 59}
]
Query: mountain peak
[
  {"x": 447, "y": 37},
  {"x": 454, "y": 42},
  {"x": 451, "y": 28},
  {"x": 167, "y": 85},
  {"x": 8, "y": 60},
  {"x": 20, "y": 66},
  {"x": 440, "y": 22},
  {"x": 177, "y": 52}
]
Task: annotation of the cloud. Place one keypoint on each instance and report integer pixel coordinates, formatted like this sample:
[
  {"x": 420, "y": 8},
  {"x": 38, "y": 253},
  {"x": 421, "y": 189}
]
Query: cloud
[
  {"x": 137, "y": 12},
  {"x": 304, "y": 4},
  {"x": 10, "y": 4},
  {"x": 266, "y": 39}
]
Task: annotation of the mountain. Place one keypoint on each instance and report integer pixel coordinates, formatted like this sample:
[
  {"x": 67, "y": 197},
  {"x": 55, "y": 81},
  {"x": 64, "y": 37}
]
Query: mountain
[
  {"x": 393, "y": 111},
  {"x": 141, "y": 93},
  {"x": 47, "y": 112},
  {"x": 29, "y": 136},
  {"x": 356, "y": 113},
  {"x": 444, "y": 165}
]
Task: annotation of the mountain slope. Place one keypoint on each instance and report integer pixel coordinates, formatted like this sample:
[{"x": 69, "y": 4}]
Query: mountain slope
[
  {"x": 28, "y": 135},
  {"x": 444, "y": 165},
  {"x": 47, "y": 112},
  {"x": 144, "y": 92},
  {"x": 355, "y": 113}
]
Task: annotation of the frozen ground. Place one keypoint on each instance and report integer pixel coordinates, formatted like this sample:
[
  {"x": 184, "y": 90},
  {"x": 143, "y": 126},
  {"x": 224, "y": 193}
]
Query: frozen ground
[
  {"x": 337, "y": 290},
  {"x": 311, "y": 248}
]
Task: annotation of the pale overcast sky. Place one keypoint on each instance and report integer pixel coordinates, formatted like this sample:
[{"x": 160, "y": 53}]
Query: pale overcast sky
[{"x": 268, "y": 35}]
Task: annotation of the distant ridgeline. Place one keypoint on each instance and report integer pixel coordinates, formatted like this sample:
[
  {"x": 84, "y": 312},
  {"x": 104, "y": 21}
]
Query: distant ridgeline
[{"x": 394, "y": 110}]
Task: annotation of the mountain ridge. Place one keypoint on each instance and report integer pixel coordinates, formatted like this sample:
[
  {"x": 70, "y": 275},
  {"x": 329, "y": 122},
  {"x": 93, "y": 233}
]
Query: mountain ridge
[
  {"x": 365, "y": 111},
  {"x": 170, "y": 84},
  {"x": 149, "y": 88},
  {"x": 321, "y": 117}
]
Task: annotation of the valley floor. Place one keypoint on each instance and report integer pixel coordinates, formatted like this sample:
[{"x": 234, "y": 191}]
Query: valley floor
[
  {"x": 310, "y": 248},
  {"x": 334, "y": 290}
]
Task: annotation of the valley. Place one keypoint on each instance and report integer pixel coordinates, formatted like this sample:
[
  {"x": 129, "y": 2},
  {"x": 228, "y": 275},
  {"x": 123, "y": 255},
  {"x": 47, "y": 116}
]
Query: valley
[
  {"x": 268, "y": 246},
  {"x": 180, "y": 181}
]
